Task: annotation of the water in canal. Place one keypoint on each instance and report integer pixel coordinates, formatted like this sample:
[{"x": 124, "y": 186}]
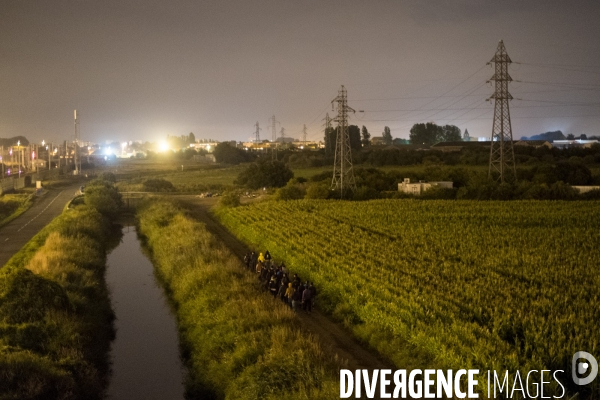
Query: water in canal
[{"x": 145, "y": 353}]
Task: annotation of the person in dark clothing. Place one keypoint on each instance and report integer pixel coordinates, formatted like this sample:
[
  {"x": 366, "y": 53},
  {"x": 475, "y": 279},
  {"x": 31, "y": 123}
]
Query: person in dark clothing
[
  {"x": 267, "y": 256},
  {"x": 247, "y": 260},
  {"x": 296, "y": 299},
  {"x": 307, "y": 300},
  {"x": 273, "y": 286},
  {"x": 281, "y": 293}
]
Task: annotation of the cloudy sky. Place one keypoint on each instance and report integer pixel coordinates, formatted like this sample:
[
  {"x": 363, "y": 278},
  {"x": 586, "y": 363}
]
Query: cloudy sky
[{"x": 144, "y": 69}]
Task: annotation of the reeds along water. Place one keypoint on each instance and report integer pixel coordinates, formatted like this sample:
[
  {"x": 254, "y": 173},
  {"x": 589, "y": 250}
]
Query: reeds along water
[
  {"x": 238, "y": 342},
  {"x": 55, "y": 315}
]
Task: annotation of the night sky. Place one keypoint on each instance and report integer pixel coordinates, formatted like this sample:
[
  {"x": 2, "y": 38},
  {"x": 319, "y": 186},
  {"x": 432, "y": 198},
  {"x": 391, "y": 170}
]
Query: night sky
[{"x": 144, "y": 69}]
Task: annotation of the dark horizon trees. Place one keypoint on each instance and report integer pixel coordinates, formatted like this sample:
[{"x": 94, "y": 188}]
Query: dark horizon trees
[{"x": 430, "y": 133}]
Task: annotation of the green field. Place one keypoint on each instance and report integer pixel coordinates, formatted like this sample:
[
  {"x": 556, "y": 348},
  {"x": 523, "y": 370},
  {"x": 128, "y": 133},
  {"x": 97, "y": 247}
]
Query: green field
[{"x": 445, "y": 284}]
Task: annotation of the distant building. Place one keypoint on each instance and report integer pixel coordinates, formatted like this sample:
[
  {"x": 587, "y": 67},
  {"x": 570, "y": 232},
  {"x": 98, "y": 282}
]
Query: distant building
[
  {"x": 561, "y": 144},
  {"x": 420, "y": 187},
  {"x": 207, "y": 146},
  {"x": 204, "y": 158},
  {"x": 458, "y": 146},
  {"x": 585, "y": 189}
]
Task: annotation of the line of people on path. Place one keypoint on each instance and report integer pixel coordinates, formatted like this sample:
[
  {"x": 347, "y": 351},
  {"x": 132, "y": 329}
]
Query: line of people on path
[{"x": 275, "y": 279}]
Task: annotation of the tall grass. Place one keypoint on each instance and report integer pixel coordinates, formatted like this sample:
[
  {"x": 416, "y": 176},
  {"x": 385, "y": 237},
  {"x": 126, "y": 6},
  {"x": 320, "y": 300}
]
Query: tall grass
[
  {"x": 55, "y": 313},
  {"x": 13, "y": 205},
  {"x": 238, "y": 342}
]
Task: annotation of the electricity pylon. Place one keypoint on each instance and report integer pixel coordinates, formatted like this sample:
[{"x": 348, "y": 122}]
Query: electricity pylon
[
  {"x": 304, "y": 135},
  {"x": 343, "y": 175},
  {"x": 273, "y": 122},
  {"x": 257, "y": 133},
  {"x": 502, "y": 154}
]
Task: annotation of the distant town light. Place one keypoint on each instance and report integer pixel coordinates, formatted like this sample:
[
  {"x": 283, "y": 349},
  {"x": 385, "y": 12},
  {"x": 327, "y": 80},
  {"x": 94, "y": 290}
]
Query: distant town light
[{"x": 163, "y": 146}]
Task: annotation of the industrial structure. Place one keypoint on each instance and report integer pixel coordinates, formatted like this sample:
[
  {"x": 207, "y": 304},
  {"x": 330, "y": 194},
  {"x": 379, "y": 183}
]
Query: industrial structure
[
  {"x": 502, "y": 154},
  {"x": 343, "y": 174}
]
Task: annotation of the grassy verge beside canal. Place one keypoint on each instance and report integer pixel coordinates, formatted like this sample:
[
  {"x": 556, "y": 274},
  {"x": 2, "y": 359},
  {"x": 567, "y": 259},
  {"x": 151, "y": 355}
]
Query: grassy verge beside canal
[
  {"x": 13, "y": 205},
  {"x": 55, "y": 313},
  {"x": 238, "y": 342}
]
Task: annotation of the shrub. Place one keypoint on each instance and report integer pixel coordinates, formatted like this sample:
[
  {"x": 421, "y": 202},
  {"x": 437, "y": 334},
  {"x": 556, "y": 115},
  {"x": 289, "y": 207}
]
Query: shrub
[
  {"x": 317, "y": 191},
  {"x": 264, "y": 173},
  {"x": 104, "y": 197},
  {"x": 230, "y": 199},
  {"x": 158, "y": 185},
  {"x": 292, "y": 191}
]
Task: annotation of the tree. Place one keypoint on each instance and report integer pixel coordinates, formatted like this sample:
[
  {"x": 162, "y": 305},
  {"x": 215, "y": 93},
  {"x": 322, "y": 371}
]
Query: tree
[
  {"x": 583, "y": 136},
  {"x": 224, "y": 153},
  {"x": 425, "y": 133},
  {"x": 331, "y": 138},
  {"x": 387, "y": 136},
  {"x": 191, "y": 138},
  {"x": 265, "y": 173},
  {"x": 354, "y": 135},
  {"x": 450, "y": 133},
  {"x": 570, "y": 136},
  {"x": 366, "y": 137}
]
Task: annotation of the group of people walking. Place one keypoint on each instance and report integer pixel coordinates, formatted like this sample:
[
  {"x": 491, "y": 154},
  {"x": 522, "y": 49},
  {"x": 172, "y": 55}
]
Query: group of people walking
[{"x": 275, "y": 279}]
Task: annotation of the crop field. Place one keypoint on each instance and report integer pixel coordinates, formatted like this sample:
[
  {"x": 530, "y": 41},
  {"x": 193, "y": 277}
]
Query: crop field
[{"x": 438, "y": 284}]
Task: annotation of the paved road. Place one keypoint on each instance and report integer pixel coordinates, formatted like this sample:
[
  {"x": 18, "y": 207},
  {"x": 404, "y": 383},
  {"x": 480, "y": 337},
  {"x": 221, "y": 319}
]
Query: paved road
[{"x": 20, "y": 230}]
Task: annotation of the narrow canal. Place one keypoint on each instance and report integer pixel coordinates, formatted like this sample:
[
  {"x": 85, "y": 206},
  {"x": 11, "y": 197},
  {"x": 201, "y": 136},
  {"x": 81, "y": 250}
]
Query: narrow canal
[{"x": 145, "y": 353}]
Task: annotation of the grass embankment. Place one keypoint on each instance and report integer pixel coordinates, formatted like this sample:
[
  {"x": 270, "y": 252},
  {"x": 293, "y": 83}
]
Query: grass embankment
[
  {"x": 446, "y": 284},
  {"x": 13, "y": 205},
  {"x": 238, "y": 342},
  {"x": 55, "y": 313}
]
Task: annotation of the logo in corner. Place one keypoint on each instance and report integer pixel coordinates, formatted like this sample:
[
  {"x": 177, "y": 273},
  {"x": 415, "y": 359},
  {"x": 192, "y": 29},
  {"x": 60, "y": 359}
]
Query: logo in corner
[{"x": 579, "y": 368}]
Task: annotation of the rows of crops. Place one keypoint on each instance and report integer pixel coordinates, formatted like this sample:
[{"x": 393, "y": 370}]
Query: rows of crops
[{"x": 492, "y": 285}]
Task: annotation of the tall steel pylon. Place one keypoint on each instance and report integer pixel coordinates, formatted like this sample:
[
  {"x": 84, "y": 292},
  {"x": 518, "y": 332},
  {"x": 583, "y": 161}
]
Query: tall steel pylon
[
  {"x": 257, "y": 133},
  {"x": 304, "y": 135},
  {"x": 282, "y": 133},
  {"x": 502, "y": 154},
  {"x": 343, "y": 174},
  {"x": 273, "y": 123}
]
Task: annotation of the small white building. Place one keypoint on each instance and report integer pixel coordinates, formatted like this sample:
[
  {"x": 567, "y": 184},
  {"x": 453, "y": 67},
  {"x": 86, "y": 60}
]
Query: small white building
[
  {"x": 420, "y": 187},
  {"x": 585, "y": 189}
]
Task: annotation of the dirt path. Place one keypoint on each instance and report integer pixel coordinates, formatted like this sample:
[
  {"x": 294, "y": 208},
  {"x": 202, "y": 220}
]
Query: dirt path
[{"x": 330, "y": 334}]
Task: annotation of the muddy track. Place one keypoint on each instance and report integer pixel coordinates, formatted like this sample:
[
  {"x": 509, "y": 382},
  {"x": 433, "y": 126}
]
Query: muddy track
[{"x": 329, "y": 333}]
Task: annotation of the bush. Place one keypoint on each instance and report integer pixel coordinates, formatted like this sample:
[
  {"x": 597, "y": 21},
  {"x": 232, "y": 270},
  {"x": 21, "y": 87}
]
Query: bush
[
  {"x": 103, "y": 197},
  {"x": 292, "y": 191},
  {"x": 317, "y": 191},
  {"x": 225, "y": 153},
  {"x": 230, "y": 199},
  {"x": 158, "y": 185},
  {"x": 264, "y": 173}
]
